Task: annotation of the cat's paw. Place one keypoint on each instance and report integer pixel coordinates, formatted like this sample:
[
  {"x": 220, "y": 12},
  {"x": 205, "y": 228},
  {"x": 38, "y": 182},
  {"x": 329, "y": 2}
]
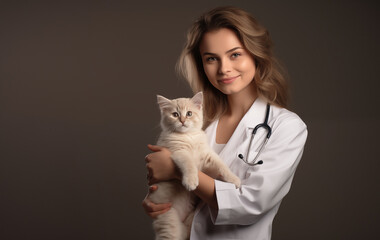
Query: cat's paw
[
  {"x": 190, "y": 182},
  {"x": 235, "y": 180}
]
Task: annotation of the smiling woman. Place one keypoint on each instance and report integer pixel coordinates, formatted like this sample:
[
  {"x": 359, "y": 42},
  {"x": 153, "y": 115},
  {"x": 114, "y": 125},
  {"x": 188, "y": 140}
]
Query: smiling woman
[
  {"x": 240, "y": 36},
  {"x": 230, "y": 69},
  {"x": 227, "y": 65},
  {"x": 228, "y": 56}
]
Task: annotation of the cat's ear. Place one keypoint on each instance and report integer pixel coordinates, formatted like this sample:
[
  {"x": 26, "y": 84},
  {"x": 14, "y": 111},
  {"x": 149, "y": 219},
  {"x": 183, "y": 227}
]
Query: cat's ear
[
  {"x": 163, "y": 102},
  {"x": 198, "y": 100}
]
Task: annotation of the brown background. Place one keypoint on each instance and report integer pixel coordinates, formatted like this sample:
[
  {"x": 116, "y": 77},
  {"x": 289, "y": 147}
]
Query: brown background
[{"x": 77, "y": 108}]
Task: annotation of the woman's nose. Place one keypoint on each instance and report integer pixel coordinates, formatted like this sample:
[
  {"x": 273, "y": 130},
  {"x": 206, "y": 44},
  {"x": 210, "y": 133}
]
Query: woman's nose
[{"x": 224, "y": 66}]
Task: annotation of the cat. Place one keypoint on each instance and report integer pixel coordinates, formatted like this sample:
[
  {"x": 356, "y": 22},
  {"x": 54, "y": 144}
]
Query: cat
[{"x": 182, "y": 134}]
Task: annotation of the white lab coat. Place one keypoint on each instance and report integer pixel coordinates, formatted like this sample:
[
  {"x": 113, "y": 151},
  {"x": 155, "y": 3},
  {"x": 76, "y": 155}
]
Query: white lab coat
[{"x": 248, "y": 212}]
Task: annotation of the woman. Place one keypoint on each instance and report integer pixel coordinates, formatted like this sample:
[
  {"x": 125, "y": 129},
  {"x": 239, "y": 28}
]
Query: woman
[{"x": 228, "y": 56}]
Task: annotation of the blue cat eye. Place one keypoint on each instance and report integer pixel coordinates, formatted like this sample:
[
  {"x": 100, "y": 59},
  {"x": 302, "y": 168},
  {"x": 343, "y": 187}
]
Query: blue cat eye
[{"x": 189, "y": 113}]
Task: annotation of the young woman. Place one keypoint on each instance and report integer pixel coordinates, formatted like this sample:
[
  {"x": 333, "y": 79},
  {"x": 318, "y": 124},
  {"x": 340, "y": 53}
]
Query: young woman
[{"x": 228, "y": 56}]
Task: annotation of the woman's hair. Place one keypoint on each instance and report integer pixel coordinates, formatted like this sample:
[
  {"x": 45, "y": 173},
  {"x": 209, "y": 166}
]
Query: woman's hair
[{"x": 269, "y": 79}]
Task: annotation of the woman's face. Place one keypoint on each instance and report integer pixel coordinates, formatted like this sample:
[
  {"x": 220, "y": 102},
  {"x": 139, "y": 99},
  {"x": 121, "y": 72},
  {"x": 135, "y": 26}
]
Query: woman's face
[{"x": 228, "y": 66}]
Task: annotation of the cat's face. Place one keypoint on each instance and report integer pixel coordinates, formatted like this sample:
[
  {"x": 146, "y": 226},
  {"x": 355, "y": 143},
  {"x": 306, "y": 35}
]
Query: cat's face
[{"x": 181, "y": 114}]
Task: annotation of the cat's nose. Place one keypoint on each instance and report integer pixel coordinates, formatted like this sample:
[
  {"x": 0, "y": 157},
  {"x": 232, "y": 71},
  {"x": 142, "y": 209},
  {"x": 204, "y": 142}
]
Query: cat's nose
[{"x": 182, "y": 120}]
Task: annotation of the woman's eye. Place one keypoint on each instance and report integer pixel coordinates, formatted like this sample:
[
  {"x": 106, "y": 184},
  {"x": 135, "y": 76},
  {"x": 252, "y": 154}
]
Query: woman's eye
[
  {"x": 175, "y": 114},
  {"x": 235, "y": 55},
  {"x": 189, "y": 113},
  {"x": 211, "y": 59}
]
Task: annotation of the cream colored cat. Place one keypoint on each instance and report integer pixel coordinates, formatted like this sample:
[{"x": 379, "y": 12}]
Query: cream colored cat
[{"x": 181, "y": 122}]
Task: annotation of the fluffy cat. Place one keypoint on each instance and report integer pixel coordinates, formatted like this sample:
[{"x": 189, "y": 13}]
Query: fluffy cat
[{"x": 182, "y": 134}]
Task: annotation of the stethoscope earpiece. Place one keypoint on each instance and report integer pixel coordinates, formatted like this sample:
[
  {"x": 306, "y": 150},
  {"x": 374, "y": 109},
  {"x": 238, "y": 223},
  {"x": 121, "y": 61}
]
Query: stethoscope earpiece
[{"x": 251, "y": 164}]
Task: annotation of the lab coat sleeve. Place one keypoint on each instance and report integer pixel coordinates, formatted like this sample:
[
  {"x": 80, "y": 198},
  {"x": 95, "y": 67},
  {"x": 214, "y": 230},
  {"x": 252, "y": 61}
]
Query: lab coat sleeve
[{"x": 265, "y": 185}]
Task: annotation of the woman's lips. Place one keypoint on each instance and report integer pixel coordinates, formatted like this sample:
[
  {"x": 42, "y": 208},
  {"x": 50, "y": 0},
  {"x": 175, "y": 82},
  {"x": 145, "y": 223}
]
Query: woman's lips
[{"x": 227, "y": 80}]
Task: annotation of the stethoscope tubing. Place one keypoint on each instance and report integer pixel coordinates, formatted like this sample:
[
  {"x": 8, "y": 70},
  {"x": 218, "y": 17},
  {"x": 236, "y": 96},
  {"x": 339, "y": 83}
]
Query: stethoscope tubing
[{"x": 269, "y": 133}]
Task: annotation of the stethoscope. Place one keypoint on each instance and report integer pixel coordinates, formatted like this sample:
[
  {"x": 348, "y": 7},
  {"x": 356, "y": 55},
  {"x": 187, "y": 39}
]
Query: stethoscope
[{"x": 269, "y": 132}]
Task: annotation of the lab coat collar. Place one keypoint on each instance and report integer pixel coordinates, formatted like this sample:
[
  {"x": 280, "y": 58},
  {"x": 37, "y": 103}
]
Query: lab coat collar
[{"x": 254, "y": 116}]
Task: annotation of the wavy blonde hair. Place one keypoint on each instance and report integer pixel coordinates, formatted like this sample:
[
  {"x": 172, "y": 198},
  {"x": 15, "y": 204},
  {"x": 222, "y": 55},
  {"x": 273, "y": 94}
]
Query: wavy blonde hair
[{"x": 269, "y": 77}]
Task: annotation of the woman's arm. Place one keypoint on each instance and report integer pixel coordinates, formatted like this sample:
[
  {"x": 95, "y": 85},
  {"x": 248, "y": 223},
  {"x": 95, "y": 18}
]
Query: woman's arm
[
  {"x": 206, "y": 190},
  {"x": 162, "y": 168},
  {"x": 265, "y": 186}
]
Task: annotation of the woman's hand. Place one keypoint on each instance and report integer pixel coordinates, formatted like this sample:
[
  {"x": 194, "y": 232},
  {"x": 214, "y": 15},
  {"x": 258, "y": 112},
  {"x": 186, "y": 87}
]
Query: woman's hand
[
  {"x": 152, "y": 209},
  {"x": 160, "y": 166}
]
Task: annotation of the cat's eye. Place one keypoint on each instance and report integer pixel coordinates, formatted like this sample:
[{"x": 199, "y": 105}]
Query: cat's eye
[
  {"x": 175, "y": 114},
  {"x": 189, "y": 114}
]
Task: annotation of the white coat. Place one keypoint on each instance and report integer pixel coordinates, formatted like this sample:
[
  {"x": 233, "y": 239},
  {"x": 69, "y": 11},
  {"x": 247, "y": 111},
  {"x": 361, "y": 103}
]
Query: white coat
[{"x": 248, "y": 212}]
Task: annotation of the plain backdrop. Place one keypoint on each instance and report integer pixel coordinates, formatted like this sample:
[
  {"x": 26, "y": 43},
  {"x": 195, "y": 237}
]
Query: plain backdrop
[{"x": 78, "y": 85}]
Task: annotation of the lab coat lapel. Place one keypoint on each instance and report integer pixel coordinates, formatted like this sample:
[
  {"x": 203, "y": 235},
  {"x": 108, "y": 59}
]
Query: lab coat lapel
[{"x": 238, "y": 142}]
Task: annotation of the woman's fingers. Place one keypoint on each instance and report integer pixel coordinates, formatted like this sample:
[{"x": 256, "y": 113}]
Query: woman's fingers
[
  {"x": 160, "y": 167},
  {"x": 153, "y": 188},
  {"x": 153, "y": 210},
  {"x": 154, "y": 148},
  {"x": 156, "y": 208},
  {"x": 156, "y": 214}
]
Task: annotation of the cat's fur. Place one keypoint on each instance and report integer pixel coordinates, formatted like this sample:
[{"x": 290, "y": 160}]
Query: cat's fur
[{"x": 182, "y": 134}]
